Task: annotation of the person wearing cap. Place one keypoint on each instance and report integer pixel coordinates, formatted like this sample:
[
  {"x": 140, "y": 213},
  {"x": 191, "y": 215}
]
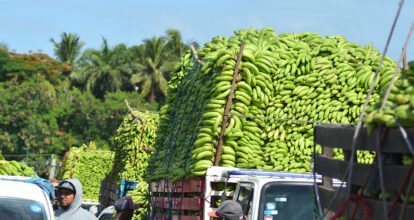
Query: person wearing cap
[
  {"x": 70, "y": 200},
  {"x": 125, "y": 208},
  {"x": 228, "y": 210}
]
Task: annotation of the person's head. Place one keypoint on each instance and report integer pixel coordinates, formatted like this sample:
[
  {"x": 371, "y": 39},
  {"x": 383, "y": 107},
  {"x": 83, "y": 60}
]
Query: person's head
[
  {"x": 67, "y": 193},
  {"x": 125, "y": 208},
  {"x": 228, "y": 210}
]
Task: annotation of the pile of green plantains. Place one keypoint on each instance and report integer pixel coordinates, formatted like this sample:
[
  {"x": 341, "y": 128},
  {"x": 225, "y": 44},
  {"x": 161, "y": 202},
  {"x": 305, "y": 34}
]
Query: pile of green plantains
[
  {"x": 89, "y": 165},
  {"x": 133, "y": 144},
  {"x": 287, "y": 76},
  {"x": 140, "y": 196},
  {"x": 400, "y": 103},
  {"x": 15, "y": 168}
]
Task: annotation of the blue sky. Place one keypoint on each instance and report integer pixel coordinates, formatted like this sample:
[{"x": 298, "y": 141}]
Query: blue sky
[{"x": 29, "y": 25}]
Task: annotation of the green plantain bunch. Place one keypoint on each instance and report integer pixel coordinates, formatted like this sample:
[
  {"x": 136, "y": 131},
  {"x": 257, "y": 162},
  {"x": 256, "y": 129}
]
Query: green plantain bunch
[
  {"x": 15, "y": 168},
  {"x": 133, "y": 148},
  {"x": 400, "y": 103},
  {"x": 140, "y": 196}
]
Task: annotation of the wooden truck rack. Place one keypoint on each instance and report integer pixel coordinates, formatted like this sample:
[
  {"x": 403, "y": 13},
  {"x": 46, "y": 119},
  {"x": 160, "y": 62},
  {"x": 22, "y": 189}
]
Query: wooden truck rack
[
  {"x": 340, "y": 136},
  {"x": 192, "y": 199}
]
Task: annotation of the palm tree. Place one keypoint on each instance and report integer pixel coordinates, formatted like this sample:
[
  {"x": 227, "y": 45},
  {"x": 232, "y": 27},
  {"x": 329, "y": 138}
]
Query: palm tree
[
  {"x": 68, "y": 49},
  {"x": 152, "y": 62},
  {"x": 176, "y": 44},
  {"x": 103, "y": 70}
]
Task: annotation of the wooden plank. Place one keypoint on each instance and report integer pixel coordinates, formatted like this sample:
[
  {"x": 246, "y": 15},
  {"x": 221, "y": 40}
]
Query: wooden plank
[
  {"x": 326, "y": 180},
  {"x": 190, "y": 185},
  {"x": 161, "y": 186},
  {"x": 393, "y": 175},
  {"x": 336, "y": 136},
  {"x": 187, "y": 203},
  {"x": 375, "y": 205},
  {"x": 158, "y": 216}
]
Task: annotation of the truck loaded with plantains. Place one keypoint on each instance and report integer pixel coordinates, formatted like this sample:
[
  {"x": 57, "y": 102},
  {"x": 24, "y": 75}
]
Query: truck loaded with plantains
[{"x": 250, "y": 103}]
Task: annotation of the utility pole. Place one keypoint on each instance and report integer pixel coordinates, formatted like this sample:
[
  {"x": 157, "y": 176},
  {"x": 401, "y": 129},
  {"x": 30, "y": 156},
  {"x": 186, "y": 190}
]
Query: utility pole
[
  {"x": 27, "y": 153},
  {"x": 52, "y": 168}
]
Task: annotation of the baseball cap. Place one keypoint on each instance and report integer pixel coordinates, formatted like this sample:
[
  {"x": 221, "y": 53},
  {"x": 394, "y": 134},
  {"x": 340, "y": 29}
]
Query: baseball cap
[
  {"x": 66, "y": 185},
  {"x": 229, "y": 210},
  {"x": 125, "y": 203}
]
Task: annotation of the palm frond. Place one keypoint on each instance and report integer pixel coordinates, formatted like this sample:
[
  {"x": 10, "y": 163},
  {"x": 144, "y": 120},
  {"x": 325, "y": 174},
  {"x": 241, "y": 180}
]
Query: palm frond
[{"x": 146, "y": 87}]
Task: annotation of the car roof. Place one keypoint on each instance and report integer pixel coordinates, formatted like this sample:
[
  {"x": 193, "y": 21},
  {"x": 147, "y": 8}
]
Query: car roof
[{"x": 22, "y": 190}]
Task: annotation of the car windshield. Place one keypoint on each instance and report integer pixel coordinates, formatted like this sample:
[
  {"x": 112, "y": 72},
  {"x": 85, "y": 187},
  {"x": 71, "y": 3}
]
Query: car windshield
[
  {"x": 21, "y": 209},
  {"x": 286, "y": 202}
]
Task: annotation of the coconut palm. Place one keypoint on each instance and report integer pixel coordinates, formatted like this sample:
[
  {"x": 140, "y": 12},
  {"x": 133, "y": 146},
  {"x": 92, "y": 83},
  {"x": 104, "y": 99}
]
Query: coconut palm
[
  {"x": 152, "y": 62},
  {"x": 68, "y": 49},
  {"x": 103, "y": 70}
]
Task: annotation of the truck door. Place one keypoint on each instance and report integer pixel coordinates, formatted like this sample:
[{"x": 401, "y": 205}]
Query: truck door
[{"x": 244, "y": 195}]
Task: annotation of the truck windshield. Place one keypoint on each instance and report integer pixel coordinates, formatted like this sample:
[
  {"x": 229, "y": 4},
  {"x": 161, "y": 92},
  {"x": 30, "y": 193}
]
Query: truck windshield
[
  {"x": 286, "y": 202},
  {"x": 21, "y": 209}
]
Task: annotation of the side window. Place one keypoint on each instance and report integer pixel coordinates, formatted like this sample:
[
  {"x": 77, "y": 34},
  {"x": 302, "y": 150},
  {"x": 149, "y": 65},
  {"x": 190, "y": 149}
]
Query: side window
[{"x": 245, "y": 197}]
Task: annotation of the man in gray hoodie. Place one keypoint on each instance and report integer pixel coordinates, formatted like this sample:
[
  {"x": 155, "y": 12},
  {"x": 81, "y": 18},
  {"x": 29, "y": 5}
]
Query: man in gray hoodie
[{"x": 70, "y": 200}]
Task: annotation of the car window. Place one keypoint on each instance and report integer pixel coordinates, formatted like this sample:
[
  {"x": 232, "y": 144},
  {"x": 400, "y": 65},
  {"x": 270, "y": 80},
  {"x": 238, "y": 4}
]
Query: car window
[
  {"x": 245, "y": 196},
  {"x": 21, "y": 209}
]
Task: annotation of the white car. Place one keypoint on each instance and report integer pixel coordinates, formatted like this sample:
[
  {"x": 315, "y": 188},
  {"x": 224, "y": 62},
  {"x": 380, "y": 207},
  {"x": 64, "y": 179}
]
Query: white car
[{"x": 20, "y": 201}]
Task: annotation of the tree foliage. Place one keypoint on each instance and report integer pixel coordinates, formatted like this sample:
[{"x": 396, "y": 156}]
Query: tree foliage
[
  {"x": 48, "y": 117},
  {"x": 27, "y": 117},
  {"x": 21, "y": 66},
  {"x": 50, "y": 106},
  {"x": 104, "y": 70}
]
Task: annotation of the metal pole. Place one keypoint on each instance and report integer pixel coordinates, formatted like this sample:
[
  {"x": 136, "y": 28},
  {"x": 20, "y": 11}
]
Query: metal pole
[{"x": 52, "y": 167}]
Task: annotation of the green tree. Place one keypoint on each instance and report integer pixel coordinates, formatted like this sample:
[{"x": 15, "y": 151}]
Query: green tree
[
  {"x": 104, "y": 70},
  {"x": 153, "y": 63},
  {"x": 68, "y": 49},
  {"x": 27, "y": 117}
]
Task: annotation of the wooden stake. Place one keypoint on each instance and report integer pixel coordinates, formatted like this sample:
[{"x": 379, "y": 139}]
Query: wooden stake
[
  {"x": 144, "y": 122},
  {"x": 405, "y": 61},
  {"x": 195, "y": 54},
  {"x": 228, "y": 104}
]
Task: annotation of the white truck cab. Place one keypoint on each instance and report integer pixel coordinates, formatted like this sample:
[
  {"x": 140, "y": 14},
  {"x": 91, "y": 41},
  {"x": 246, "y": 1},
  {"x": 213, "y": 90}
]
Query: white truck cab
[
  {"x": 265, "y": 194},
  {"x": 22, "y": 200}
]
